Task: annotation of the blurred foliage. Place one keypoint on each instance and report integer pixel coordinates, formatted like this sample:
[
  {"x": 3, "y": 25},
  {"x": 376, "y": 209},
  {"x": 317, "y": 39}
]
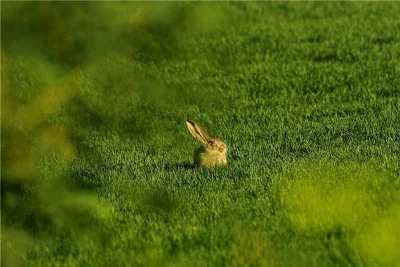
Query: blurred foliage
[
  {"x": 353, "y": 203},
  {"x": 378, "y": 243},
  {"x": 66, "y": 68},
  {"x": 326, "y": 196}
]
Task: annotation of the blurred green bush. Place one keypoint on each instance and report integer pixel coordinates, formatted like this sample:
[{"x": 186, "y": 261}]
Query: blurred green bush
[{"x": 68, "y": 67}]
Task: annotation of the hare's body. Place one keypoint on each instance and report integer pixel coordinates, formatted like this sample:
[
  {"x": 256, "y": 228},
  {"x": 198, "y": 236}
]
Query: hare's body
[
  {"x": 203, "y": 157},
  {"x": 213, "y": 150}
]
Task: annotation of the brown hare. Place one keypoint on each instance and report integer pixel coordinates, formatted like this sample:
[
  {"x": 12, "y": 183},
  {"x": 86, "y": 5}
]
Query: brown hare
[{"x": 213, "y": 150}]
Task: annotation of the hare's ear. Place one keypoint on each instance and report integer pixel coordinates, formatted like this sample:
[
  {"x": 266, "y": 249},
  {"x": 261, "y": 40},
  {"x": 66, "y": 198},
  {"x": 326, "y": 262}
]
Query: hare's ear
[{"x": 198, "y": 132}]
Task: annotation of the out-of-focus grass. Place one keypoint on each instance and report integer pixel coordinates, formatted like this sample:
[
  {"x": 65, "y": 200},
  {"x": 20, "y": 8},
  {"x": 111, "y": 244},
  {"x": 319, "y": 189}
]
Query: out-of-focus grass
[
  {"x": 96, "y": 157},
  {"x": 254, "y": 249},
  {"x": 325, "y": 196},
  {"x": 378, "y": 242},
  {"x": 352, "y": 201}
]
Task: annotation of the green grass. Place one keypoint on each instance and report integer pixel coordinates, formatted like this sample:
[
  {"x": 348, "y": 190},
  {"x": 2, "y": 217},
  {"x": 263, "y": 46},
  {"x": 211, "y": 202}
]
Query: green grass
[{"x": 96, "y": 156}]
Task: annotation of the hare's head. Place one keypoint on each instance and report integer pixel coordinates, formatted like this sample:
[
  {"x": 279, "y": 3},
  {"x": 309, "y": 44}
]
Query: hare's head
[{"x": 213, "y": 151}]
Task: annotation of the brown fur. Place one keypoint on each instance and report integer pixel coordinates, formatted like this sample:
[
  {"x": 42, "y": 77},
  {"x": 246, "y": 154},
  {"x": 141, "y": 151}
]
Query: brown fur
[{"x": 213, "y": 150}]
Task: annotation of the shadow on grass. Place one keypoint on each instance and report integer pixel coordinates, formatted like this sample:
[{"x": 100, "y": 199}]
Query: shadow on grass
[{"x": 180, "y": 165}]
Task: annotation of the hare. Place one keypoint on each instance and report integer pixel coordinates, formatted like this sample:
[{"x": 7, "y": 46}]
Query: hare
[{"x": 213, "y": 150}]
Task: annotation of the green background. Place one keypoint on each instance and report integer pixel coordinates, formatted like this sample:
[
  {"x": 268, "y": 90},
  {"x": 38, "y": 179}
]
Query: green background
[{"x": 96, "y": 157}]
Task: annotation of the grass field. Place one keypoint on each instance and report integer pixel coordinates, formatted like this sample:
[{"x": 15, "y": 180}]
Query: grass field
[{"x": 96, "y": 157}]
